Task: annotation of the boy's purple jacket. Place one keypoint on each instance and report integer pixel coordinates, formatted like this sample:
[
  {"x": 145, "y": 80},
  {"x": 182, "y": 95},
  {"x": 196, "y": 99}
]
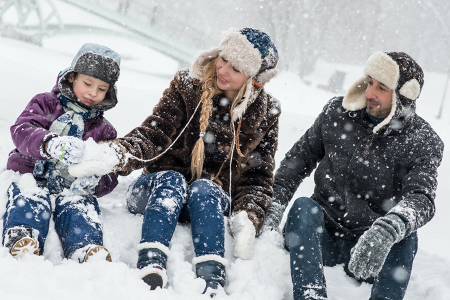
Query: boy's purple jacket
[{"x": 31, "y": 132}]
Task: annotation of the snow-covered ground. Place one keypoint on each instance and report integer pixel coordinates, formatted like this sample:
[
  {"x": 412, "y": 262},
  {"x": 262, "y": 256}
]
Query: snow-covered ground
[{"x": 27, "y": 69}]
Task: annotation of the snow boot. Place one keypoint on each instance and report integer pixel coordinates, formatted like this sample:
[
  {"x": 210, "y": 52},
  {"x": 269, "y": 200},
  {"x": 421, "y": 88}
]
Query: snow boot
[
  {"x": 211, "y": 268},
  {"x": 91, "y": 253},
  {"x": 21, "y": 240},
  {"x": 152, "y": 260}
]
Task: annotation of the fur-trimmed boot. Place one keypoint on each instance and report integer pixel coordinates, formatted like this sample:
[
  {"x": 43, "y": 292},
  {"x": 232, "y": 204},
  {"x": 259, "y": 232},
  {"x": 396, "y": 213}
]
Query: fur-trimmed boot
[
  {"x": 211, "y": 268},
  {"x": 152, "y": 261},
  {"x": 21, "y": 240}
]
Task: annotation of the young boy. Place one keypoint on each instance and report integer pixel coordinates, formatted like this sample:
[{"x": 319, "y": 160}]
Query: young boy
[{"x": 49, "y": 136}]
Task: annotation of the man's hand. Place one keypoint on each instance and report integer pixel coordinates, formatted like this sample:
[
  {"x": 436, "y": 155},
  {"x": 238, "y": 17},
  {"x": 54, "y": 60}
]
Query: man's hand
[
  {"x": 371, "y": 250},
  {"x": 273, "y": 217},
  {"x": 67, "y": 149}
]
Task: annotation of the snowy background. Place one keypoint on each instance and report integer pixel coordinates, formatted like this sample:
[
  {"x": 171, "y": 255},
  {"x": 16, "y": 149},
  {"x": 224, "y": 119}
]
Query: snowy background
[{"x": 27, "y": 69}]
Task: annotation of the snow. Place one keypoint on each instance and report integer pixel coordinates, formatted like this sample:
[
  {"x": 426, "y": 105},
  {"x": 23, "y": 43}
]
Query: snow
[
  {"x": 28, "y": 69},
  {"x": 99, "y": 159}
]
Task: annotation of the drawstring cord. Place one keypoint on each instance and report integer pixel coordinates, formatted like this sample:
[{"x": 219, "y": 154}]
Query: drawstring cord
[{"x": 174, "y": 141}]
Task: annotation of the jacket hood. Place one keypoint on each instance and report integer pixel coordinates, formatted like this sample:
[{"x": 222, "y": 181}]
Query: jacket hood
[{"x": 99, "y": 62}]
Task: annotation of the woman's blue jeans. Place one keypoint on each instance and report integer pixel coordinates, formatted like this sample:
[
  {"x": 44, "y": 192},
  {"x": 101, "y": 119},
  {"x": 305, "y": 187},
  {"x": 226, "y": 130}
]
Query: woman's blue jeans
[
  {"x": 311, "y": 247},
  {"x": 164, "y": 198}
]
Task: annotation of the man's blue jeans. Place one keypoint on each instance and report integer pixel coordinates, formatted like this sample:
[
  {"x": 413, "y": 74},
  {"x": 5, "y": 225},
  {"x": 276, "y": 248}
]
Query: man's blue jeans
[
  {"x": 164, "y": 198},
  {"x": 311, "y": 247}
]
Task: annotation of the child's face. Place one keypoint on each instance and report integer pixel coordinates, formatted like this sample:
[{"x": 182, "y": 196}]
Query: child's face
[{"x": 87, "y": 89}]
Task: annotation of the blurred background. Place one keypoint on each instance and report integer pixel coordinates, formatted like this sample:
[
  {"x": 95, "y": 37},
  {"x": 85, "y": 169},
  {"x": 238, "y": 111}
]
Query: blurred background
[{"x": 344, "y": 31}]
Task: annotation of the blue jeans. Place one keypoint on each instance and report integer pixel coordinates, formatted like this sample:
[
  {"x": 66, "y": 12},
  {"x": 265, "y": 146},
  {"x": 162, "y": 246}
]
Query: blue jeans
[
  {"x": 311, "y": 247},
  {"x": 77, "y": 218},
  {"x": 164, "y": 198}
]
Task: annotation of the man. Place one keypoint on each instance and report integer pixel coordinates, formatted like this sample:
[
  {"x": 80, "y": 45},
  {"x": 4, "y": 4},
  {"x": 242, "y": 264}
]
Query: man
[{"x": 375, "y": 183}]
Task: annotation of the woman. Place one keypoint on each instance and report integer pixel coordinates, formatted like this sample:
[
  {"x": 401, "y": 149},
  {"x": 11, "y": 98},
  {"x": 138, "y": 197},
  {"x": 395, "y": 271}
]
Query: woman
[{"x": 211, "y": 138}]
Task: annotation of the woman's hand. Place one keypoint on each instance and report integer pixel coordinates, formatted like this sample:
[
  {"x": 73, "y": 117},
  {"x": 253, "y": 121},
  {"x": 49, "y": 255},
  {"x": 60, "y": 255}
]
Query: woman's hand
[{"x": 244, "y": 234}]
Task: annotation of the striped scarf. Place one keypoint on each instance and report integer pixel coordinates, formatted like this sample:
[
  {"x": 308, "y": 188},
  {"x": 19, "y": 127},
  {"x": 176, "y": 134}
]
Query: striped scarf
[{"x": 71, "y": 123}]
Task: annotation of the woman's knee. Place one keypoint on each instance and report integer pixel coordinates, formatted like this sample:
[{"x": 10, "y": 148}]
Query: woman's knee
[
  {"x": 140, "y": 191},
  {"x": 206, "y": 191}
]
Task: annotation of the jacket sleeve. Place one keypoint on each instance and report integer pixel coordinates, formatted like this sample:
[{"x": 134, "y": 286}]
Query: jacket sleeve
[
  {"x": 155, "y": 134},
  {"x": 417, "y": 205},
  {"x": 298, "y": 163},
  {"x": 254, "y": 189},
  {"x": 31, "y": 129}
]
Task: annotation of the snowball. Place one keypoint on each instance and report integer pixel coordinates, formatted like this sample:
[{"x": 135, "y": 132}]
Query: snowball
[{"x": 98, "y": 159}]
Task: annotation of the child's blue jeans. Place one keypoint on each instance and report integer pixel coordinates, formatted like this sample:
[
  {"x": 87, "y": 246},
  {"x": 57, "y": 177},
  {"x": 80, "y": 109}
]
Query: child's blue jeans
[
  {"x": 77, "y": 218},
  {"x": 311, "y": 247},
  {"x": 164, "y": 198}
]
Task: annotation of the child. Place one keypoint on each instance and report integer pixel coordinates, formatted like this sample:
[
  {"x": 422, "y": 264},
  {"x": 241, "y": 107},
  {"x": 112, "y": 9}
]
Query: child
[{"x": 48, "y": 136}]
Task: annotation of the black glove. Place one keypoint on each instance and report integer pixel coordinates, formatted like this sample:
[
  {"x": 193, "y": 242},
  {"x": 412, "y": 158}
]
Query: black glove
[{"x": 370, "y": 252}]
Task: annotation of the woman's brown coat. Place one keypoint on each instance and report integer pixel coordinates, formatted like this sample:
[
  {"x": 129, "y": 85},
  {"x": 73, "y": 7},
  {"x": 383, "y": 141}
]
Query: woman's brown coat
[{"x": 252, "y": 175}]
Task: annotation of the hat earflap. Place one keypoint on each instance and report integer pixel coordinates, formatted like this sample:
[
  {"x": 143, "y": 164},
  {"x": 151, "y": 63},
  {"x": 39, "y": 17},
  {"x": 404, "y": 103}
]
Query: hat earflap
[
  {"x": 196, "y": 69},
  {"x": 411, "y": 89},
  {"x": 391, "y": 114},
  {"x": 239, "y": 110},
  {"x": 355, "y": 99},
  {"x": 266, "y": 76}
]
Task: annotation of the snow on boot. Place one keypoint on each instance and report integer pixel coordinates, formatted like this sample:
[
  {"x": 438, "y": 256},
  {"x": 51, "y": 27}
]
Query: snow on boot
[
  {"x": 152, "y": 260},
  {"x": 91, "y": 253},
  {"x": 211, "y": 268},
  {"x": 21, "y": 240}
]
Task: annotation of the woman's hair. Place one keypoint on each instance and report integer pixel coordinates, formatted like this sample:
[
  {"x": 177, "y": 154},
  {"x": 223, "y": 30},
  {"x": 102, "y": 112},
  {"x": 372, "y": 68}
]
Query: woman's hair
[{"x": 210, "y": 89}]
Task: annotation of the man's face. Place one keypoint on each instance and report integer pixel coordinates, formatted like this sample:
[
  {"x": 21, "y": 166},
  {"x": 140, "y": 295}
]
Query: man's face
[{"x": 379, "y": 99}]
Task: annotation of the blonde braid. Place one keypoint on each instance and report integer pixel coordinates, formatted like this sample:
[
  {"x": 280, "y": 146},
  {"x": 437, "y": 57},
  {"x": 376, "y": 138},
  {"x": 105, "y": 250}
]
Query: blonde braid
[{"x": 209, "y": 90}]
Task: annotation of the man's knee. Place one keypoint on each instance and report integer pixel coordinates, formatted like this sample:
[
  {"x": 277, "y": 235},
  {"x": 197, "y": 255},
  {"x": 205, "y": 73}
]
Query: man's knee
[{"x": 304, "y": 208}]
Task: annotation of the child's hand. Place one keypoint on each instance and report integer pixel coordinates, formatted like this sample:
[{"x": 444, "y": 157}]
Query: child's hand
[
  {"x": 67, "y": 149},
  {"x": 85, "y": 185}
]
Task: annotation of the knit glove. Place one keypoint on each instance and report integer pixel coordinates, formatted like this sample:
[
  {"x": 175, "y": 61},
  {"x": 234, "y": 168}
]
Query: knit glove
[
  {"x": 244, "y": 233},
  {"x": 370, "y": 252},
  {"x": 67, "y": 149},
  {"x": 84, "y": 185},
  {"x": 273, "y": 217}
]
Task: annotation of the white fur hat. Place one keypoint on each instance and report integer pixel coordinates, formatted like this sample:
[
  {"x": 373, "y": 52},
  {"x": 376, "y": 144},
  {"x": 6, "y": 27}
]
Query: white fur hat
[{"x": 249, "y": 50}]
